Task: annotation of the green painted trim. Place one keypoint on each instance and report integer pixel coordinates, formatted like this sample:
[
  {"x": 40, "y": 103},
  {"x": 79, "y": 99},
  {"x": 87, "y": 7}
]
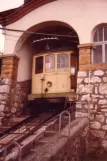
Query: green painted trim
[{"x": 50, "y": 95}]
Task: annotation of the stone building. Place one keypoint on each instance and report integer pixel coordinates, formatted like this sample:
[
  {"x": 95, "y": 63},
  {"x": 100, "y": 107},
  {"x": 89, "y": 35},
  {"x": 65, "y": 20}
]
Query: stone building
[{"x": 86, "y": 21}]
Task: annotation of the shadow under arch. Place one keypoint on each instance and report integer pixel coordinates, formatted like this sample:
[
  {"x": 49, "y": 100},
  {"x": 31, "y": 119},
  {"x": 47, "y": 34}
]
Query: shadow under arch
[
  {"x": 23, "y": 44},
  {"x": 22, "y": 39}
]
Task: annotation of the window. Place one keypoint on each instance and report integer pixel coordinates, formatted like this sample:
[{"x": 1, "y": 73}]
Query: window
[
  {"x": 62, "y": 61},
  {"x": 99, "y": 54},
  {"x": 39, "y": 65},
  {"x": 50, "y": 63}
]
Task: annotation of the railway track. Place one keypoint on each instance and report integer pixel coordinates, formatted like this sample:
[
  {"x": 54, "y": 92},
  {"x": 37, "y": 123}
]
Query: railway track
[
  {"x": 23, "y": 130},
  {"x": 50, "y": 133},
  {"x": 27, "y": 128}
]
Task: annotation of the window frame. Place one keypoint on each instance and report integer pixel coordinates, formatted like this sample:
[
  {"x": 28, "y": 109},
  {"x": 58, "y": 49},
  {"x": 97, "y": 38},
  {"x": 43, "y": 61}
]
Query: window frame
[{"x": 102, "y": 43}]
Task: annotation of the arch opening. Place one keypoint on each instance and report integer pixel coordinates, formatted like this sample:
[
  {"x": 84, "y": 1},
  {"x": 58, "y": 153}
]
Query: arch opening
[
  {"x": 30, "y": 44},
  {"x": 51, "y": 46}
]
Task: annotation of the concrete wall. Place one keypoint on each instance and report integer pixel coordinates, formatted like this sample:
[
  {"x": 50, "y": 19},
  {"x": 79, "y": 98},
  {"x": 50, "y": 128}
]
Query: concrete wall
[{"x": 83, "y": 16}]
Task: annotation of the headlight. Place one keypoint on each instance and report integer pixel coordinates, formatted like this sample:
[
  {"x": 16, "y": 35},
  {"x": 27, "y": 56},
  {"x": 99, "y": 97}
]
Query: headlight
[{"x": 49, "y": 84}]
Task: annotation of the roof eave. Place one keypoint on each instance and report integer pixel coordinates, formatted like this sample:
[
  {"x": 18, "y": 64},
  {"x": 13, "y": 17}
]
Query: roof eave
[{"x": 20, "y": 12}]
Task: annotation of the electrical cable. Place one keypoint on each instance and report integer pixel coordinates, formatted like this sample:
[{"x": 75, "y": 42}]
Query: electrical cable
[{"x": 36, "y": 33}]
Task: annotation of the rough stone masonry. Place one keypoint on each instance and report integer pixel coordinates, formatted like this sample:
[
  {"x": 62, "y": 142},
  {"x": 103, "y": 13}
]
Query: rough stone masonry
[
  {"x": 13, "y": 96},
  {"x": 92, "y": 98}
]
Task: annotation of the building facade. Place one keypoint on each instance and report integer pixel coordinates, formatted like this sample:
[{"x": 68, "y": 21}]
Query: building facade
[{"x": 88, "y": 20}]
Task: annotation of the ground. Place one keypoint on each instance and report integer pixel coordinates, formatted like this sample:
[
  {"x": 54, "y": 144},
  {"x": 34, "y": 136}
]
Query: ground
[{"x": 93, "y": 157}]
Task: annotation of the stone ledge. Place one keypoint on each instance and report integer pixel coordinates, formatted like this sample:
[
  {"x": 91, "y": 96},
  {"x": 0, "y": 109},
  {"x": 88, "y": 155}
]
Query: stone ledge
[
  {"x": 93, "y": 67},
  {"x": 76, "y": 126},
  {"x": 87, "y": 46},
  {"x": 9, "y": 56}
]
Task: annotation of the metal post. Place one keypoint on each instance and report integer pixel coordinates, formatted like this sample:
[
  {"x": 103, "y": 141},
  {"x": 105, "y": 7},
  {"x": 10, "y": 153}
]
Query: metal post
[
  {"x": 19, "y": 148},
  {"x": 60, "y": 122}
]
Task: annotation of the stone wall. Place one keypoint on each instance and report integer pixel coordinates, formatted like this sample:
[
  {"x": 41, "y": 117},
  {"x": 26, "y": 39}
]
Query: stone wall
[
  {"x": 92, "y": 102},
  {"x": 9, "y": 67},
  {"x": 4, "y": 98},
  {"x": 13, "y": 98},
  {"x": 13, "y": 94},
  {"x": 18, "y": 96}
]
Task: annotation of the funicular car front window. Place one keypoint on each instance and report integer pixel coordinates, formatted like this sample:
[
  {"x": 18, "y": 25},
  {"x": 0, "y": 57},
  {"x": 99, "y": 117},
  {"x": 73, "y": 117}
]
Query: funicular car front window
[
  {"x": 50, "y": 63},
  {"x": 39, "y": 65},
  {"x": 62, "y": 61}
]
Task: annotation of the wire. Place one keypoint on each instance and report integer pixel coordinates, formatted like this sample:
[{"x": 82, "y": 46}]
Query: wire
[
  {"x": 36, "y": 33},
  {"x": 24, "y": 37},
  {"x": 39, "y": 41},
  {"x": 13, "y": 35}
]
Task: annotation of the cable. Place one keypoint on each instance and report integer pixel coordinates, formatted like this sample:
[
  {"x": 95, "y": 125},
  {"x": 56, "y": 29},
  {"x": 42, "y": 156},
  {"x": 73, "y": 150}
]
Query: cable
[
  {"x": 2, "y": 34},
  {"x": 27, "y": 37},
  {"x": 44, "y": 40},
  {"x": 13, "y": 35},
  {"x": 36, "y": 33}
]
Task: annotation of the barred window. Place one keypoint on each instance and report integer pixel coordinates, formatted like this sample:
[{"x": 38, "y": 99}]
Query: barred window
[{"x": 99, "y": 54}]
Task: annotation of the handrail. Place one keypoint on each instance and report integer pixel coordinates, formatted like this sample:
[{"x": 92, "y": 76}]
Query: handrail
[
  {"x": 60, "y": 122},
  {"x": 19, "y": 148}
]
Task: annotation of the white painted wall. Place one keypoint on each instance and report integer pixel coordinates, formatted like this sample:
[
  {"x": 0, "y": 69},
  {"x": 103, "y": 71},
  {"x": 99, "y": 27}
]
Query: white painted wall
[
  {"x": 82, "y": 15},
  {"x": 25, "y": 65}
]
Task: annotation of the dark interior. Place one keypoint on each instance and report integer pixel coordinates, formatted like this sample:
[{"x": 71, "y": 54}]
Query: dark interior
[{"x": 59, "y": 38}]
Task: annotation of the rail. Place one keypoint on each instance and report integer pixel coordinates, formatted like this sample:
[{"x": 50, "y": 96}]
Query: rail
[{"x": 6, "y": 148}]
